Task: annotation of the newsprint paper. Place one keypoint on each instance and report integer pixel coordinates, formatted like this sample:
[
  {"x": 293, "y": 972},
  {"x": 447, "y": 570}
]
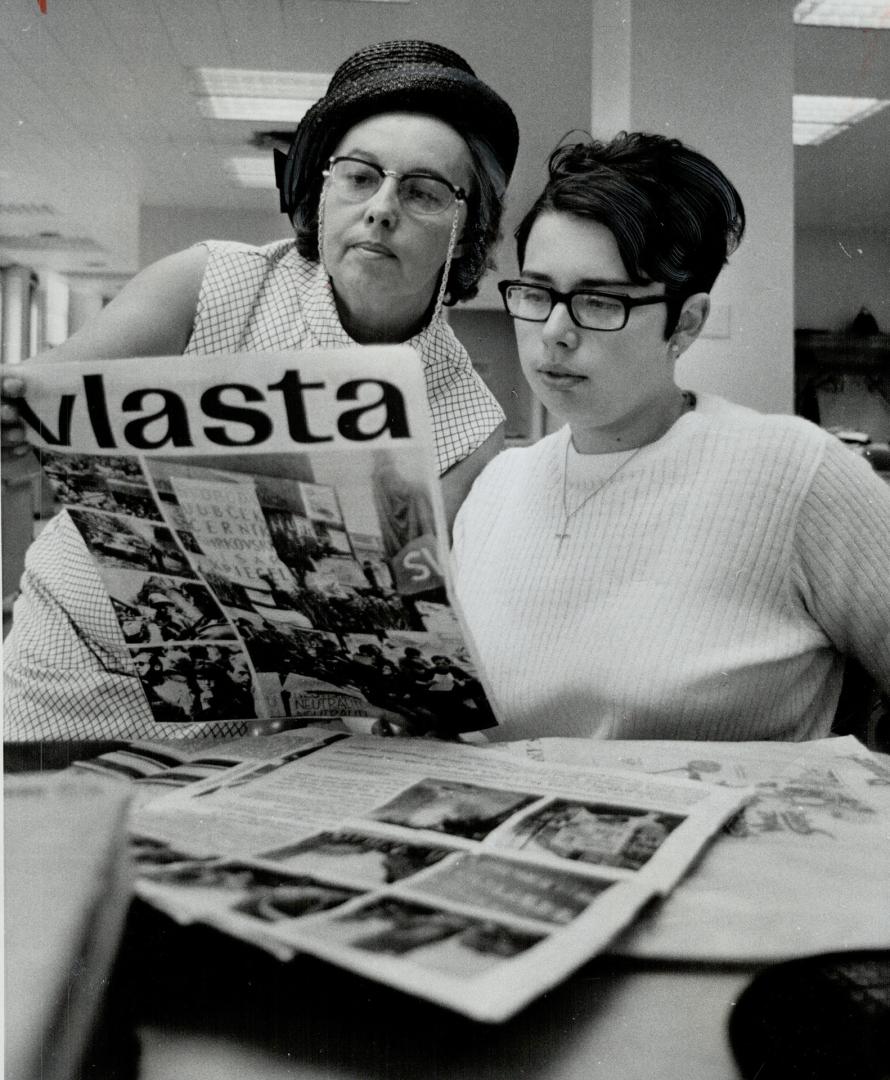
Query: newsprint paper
[
  {"x": 457, "y": 873},
  {"x": 805, "y": 868},
  {"x": 269, "y": 529},
  {"x": 270, "y": 532}
]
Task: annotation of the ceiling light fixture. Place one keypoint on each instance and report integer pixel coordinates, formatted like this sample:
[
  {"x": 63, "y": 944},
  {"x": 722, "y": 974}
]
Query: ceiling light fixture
[
  {"x": 253, "y": 171},
  {"x": 863, "y": 14},
  {"x": 816, "y": 118},
  {"x": 243, "y": 94}
]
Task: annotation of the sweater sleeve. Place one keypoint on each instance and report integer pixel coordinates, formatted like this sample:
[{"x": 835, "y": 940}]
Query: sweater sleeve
[{"x": 842, "y": 563}]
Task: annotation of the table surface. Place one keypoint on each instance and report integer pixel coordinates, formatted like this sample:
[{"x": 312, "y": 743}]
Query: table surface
[{"x": 209, "y": 1008}]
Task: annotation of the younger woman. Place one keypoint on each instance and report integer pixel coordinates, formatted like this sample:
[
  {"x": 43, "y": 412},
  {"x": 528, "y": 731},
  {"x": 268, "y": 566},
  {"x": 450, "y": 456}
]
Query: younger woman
[{"x": 668, "y": 564}]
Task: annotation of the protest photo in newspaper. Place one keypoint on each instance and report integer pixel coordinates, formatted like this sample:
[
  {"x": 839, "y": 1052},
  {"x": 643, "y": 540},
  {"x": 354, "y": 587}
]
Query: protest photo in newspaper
[
  {"x": 457, "y": 873},
  {"x": 270, "y": 533}
]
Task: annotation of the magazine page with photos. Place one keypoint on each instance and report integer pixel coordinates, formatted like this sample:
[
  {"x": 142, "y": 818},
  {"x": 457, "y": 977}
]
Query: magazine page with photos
[
  {"x": 270, "y": 532},
  {"x": 463, "y": 875}
]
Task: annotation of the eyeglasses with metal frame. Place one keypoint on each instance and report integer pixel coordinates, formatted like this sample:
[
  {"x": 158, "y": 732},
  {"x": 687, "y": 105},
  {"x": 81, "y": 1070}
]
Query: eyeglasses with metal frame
[
  {"x": 419, "y": 193},
  {"x": 587, "y": 308}
]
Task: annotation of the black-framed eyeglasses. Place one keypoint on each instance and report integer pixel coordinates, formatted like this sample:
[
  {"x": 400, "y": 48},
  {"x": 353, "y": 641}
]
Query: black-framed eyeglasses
[
  {"x": 587, "y": 308},
  {"x": 419, "y": 193}
]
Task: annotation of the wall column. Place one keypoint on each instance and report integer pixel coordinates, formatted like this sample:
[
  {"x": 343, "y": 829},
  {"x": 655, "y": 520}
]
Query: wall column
[
  {"x": 720, "y": 77},
  {"x": 16, "y": 284}
]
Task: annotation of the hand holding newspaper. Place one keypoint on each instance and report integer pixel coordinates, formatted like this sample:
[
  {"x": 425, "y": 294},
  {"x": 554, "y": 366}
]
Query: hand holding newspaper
[{"x": 270, "y": 531}]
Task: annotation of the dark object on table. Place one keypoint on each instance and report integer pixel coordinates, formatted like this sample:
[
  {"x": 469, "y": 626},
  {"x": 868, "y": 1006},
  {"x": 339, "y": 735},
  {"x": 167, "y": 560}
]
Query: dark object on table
[
  {"x": 879, "y": 456},
  {"x": 19, "y": 757},
  {"x": 819, "y": 1018},
  {"x": 863, "y": 324}
]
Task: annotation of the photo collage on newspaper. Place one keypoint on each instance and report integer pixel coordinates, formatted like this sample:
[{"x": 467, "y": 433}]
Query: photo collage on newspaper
[
  {"x": 298, "y": 581},
  {"x": 458, "y": 873}
]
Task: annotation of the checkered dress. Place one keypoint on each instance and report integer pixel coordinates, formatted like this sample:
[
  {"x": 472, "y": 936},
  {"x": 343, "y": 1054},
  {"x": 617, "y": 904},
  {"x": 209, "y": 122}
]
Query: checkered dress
[{"x": 67, "y": 670}]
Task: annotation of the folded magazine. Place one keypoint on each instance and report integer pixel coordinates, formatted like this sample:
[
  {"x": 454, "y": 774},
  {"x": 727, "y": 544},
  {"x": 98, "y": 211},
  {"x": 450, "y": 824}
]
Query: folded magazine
[{"x": 269, "y": 529}]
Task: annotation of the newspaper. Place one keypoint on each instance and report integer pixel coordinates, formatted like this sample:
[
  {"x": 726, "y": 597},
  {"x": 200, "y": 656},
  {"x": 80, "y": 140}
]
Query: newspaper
[
  {"x": 269, "y": 528},
  {"x": 804, "y": 869},
  {"x": 457, "y": 873},
  {"x": 155, "y": 768}
]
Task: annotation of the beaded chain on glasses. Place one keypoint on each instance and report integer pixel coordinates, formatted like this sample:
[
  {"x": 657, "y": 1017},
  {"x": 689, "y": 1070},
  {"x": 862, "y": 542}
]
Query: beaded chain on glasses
[
  {"x": 567, "y": 515},
  {"x": 446, "y": 269}
]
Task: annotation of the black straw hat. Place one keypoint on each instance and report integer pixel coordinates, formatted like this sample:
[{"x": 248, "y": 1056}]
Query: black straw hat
[{"x": 401, "y": 76}]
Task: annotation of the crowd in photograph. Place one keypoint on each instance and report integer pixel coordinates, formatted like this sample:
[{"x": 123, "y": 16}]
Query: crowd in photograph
[{"x": 196, "y": 683}]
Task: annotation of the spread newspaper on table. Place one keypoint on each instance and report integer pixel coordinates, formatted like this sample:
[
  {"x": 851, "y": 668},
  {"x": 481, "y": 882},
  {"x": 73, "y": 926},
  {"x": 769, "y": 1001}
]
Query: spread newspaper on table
[
  {"x": 457, "y": 873},
  {"x": 269, "y": 529},
  {"x": 804, "y": 869}
]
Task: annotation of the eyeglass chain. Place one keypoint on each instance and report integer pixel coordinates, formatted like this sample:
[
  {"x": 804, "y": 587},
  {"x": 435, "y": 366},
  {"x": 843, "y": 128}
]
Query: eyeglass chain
[{"x": 446, "y": 269}]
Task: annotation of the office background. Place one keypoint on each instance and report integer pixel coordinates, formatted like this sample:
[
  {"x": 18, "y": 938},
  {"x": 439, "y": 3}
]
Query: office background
[{"x": 107, "y": 161}]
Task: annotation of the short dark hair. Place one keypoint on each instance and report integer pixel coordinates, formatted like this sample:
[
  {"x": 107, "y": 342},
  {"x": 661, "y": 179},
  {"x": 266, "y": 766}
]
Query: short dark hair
[
  {"x": 485, "y": 204},
  {"x": 674, "y": 215}
]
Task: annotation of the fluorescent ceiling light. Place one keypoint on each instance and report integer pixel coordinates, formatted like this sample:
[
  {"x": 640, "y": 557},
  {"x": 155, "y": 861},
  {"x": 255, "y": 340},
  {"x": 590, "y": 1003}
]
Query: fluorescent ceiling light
[
  {"x": 242, "y": 94},
  {"x": 277, "y": 110},
  {"x": 865, "y": 14},
  {"x": 253, "y": 171},
  {"x": 816, "y": 118},
  {"x": 811, "y": 134}
]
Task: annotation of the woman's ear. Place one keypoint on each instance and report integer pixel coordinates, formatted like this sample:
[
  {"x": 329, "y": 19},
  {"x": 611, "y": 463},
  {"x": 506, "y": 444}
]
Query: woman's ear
[{"x": 693, "y": 316}]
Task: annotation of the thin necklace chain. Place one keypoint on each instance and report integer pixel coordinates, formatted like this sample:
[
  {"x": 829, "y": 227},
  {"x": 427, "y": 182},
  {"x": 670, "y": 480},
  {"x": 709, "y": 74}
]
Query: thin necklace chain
[
  {"x": 567, "y": 514},
  {"x": 688, "y": 403}
]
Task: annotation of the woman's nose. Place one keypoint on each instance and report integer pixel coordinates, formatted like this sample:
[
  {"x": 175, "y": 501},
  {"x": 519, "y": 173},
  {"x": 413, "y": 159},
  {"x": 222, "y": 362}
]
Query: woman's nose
[
  {"x": 383, "y": 206},
  {"x": 559, "y": 329}
]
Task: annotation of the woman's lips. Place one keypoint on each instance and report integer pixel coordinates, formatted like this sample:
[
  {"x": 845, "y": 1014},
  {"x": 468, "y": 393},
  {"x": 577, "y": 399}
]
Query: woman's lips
[
  {"x": 558, "y": 379},
  {"x": 368, "y": 247}
]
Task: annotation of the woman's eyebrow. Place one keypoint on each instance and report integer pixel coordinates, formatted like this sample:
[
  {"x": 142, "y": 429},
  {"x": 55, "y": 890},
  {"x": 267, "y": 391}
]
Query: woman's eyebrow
[
  {"x": 582, "y": 283},
  {"x": 372, "y": 158},
  {"x": 356, "y": 151}
]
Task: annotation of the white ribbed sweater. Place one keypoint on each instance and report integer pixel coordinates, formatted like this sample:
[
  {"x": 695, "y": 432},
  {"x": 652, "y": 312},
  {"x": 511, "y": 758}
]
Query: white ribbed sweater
[{"x": 707, "y": 592}]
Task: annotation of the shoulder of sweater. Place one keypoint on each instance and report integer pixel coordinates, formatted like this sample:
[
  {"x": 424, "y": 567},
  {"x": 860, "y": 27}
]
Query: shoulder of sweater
[
  {"x": 728, "y": 420},
  {"x": 520, "y": 461}
]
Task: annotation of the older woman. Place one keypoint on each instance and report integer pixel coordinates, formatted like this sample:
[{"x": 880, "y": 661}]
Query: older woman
[
  {"x": 394, "y": 184},
  {"x": 668, "y": 564}
]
